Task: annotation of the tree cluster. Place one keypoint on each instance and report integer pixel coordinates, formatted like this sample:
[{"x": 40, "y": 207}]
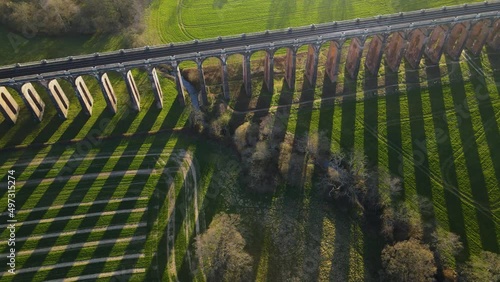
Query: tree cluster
[
  {"x": 57, "y": 17},
  {"x": 271, "y": 156}
]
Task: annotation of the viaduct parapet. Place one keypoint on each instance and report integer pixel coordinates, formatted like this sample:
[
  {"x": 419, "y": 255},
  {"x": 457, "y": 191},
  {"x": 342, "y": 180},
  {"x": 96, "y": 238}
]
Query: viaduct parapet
[{"x": 393, "y": 38}]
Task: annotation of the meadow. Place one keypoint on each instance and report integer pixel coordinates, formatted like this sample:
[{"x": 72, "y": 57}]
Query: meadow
[{"x": 122, "y": 197}]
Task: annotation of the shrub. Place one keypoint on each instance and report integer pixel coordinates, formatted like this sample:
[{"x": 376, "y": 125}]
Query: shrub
[
  {"x": 219, "y": 128},
  {"x": 197, "y": 121},
  {"x": 400, "y": 222},
  {"x": 246, "y": 135}
]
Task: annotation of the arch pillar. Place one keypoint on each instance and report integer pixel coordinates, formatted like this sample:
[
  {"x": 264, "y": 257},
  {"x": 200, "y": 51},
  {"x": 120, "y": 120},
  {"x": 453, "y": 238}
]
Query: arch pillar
[
  {"x": 269, "y": 71},
  {"x": 57, "y": 96},
  {"x": 395, "y": 50},
  {"x": 333, "y": 60},
  {"x": 133, "y": 91},
  {"x": 156, "y": 86},
  {"x": 32, "y": 100},
  {"x": 494, "y": 37},
  {"x": 247, "y": 73},
  {"x": 108, "y": 91},
  {"x": 203, "y": 86},
  {"x": 375, "y": 52},
  {"x": 8, "y": 106},
  {"x": 477, "y": 37},
  {"x": 179, "y": 84},
  {"x": 416, "y": 42},
  {"x": 83, "y": 94},
  {"x": 456, "y": 40},
  {"x": 225, "y": 77},
  {"x": 311, "y": 71},
  {"x": 291, "y": 66},
  {"x": 435, "y": 43}
]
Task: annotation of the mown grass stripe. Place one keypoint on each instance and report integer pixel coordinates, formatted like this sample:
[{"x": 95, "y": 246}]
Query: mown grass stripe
[
  {"x": 83, "y": 245},
  {"x": 80, "y": 204},
  {"x": 72, "y": 217},
  {"x": 82, "y": 231},
  {"x": 102, "y": 275},
  {"x": 79, "y": 263},
  {"x": 89, "y": 176}
]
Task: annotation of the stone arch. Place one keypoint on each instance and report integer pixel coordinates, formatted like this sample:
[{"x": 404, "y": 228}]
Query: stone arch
[
  {"x": 494, "y": 37},
  {"x": 416, "y": 43},
  {"x": 333, "y": 60},
  {"x": 9, "y": 107},
  {"x": 323, "y": 81},
  {"x": 478, "y": 34},
  {"x": 394, "y": 51},
  {"x": 282, "y": 67},
  {"x": 435, "y": 43},
  {"x": 58, "y": 97},
  {"x": 213, "y": 74},
  {"x": 32, "y": 93},
  {"x": 374, "y": 53},
  {"x": 257, "y": 72},
  {"x": 456, "y": 40}
]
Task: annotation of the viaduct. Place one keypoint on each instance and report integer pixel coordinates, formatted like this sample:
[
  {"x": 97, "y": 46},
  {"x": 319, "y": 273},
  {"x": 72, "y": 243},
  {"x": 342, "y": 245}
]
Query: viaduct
[{"x": 396, "y": 37}]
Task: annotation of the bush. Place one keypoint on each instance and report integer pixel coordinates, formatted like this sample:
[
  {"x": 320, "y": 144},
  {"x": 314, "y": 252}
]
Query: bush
[
  {"x": 345, "y": 179},
  {"x": 219, "y": 128},
  {"x": 408, "y": 261},
  {"x": 246, "y": 135},
  {"x": 197, "y": 121},
  {"x": 401, "y": 223}
]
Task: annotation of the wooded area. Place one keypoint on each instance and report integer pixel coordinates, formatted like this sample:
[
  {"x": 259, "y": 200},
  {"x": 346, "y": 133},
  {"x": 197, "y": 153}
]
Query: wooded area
[{"x": 57, "y": 17}]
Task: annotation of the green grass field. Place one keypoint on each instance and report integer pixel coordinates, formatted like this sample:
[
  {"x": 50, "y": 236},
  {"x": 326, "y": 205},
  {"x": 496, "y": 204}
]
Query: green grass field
[{"x": 125, "y": 205}]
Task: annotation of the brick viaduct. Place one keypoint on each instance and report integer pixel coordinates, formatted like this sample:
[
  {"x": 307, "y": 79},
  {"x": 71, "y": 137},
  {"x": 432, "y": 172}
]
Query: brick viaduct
[{"x": 397, "y": 37}]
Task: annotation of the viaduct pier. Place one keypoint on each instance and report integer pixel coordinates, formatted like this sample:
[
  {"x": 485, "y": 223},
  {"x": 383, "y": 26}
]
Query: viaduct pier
[{"x": 406, "y": 36}]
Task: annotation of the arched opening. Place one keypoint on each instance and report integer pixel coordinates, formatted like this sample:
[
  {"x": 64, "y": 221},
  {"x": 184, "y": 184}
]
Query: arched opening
[
  {"x": 283, "y": 70},
  {"x": 212, "y": 73},
  {"x": 193, "y": 81},
  {"x": 234, "y": 70},
  {"x": 260, "y": 75}
]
